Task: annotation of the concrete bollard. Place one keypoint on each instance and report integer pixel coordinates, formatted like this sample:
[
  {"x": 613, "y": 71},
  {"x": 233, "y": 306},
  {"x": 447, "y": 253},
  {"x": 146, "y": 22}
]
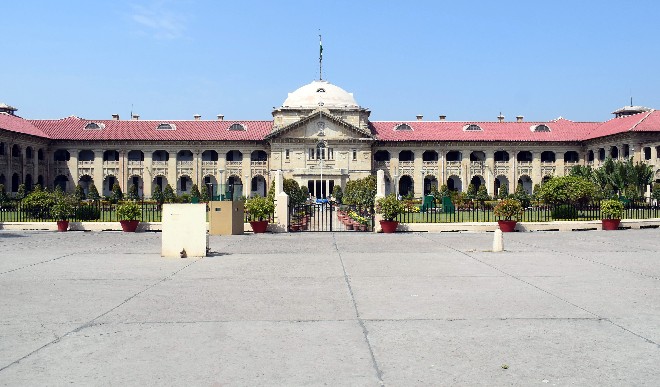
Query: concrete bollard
[{"x": 498, "y": 241}]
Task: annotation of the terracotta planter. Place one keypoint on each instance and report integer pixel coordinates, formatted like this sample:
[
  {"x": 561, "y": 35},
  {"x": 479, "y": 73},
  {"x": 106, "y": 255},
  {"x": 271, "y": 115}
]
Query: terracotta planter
[
  {"x": 62, "y": 225},
  {"x": 389, "y": 226},
  {"x": 363, "y": 227},
  {"x": 129, "y": 225},
  {"x": 260, "y": 226},
  {"x": 507, "y": 225},
  {"x": 610, "y": 224},
  {"x": 349, "y": 226}
]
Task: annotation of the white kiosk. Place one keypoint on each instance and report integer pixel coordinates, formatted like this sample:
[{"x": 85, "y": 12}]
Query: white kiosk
[{"x": 184, "y": 231}]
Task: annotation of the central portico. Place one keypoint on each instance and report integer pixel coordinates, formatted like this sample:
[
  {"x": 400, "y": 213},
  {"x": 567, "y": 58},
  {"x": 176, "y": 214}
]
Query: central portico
[{"x": 320, "y": 137}]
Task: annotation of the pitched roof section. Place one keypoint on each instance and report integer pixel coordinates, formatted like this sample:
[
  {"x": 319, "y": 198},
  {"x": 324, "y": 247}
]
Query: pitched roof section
[
  {"x": 642, "y": 122},
  {"x": 314, "y": 115},
  {"x": 560, "y": 130},
  {"x": 73, "y": 128},
  {"x": 19, "y": 125}
]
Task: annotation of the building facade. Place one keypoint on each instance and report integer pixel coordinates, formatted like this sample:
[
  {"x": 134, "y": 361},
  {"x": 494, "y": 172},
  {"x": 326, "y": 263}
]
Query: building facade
[{"x": 320, "y": 137}]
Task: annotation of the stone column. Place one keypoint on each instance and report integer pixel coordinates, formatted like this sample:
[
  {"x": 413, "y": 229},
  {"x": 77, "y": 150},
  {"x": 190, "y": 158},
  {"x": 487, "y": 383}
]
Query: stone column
[
  {"x": 536, "y": 168},
  {"x": 281, "y": 203},
  {"x": 73, "y": 168},
  {"x": 559, "y": 164},
  {"x": 147, "y": 175},
  {"x": 490, "y": 172},
  {"x": 380, "y": 184},
  {"x": 197, "y": 167},
  {"x": 123, "y": 172},
  {"x": 98, "y": 170},
  {"x": 465, "y": 170},
  {"x": 418, "y": 176},
  {"x": 172, "y": 170}
]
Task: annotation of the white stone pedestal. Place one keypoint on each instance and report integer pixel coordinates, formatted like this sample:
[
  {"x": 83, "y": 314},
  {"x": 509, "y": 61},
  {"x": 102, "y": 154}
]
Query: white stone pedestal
[{"x": 184, "y": 228}]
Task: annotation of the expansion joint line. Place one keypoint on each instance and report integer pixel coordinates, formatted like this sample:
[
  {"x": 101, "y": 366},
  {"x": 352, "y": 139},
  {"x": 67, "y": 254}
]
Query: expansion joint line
[
  {"x": 365, "y": 331},
  {"x": 546, "y": 292},
  {"x": 592, "y": 260},
  {"x": 91, "y": 322}
]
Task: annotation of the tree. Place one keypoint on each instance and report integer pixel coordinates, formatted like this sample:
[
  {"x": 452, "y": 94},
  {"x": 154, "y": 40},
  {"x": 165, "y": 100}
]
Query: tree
[
  {"x": 3, "y": 195},
  {"x": 133, "y": 193},
  {"x": 655, "y": 192},
  {"x": 503, "y": 192},
  {"x": 482, "y": 194},
  {"x": 337, "y": 193},
  {"x": 168, "y": 194},
  {"x": 116, "y": 195},
  {"x": 568, "y": 190},
  {"x": 291, "y": 188},
  {"x": 360, "y": 192},
  {"x": 21, "y": 192},
  {"x": 471, "y": 192},
  {"x": 79, "y": 193},
  {"x": 194, "y": 192},
  {"x": 93, "y": 193},
  {"x": 204, "y": 194},
  {"x": 522, "y": 196},
  {"x": 158, "y": 195}
]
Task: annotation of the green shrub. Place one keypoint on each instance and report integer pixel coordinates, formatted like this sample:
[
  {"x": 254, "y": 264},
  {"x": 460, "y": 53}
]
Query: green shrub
[
  {"x": 128, "y": 211},
  {"x": 259, "y": 208},
  {"x": 611, "y": 209},
  {"x": 565, "y": 211},
  {"x": 38, "y": 204},
  {"x": 508, "y": 209},
  {"x": 88, "y": 212},
  {"x": 389, "y": 206},
  {"x": 93, "y": 193}
]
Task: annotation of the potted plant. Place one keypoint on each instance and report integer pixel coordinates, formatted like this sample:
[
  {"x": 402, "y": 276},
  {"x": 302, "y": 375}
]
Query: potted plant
[
  {"x": 510, "y": 211},
  {"x": 64, "y": 207},
  {"x": 259, "y": 209},
  {"x": 611, "y": 212},
  {"x": 390, "y": 208},
  {"x": 129, "y": 213}
]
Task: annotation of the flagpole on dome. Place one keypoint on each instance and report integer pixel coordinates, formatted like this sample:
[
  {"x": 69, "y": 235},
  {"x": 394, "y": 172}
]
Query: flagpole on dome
[{"x": 320, "y": 58}]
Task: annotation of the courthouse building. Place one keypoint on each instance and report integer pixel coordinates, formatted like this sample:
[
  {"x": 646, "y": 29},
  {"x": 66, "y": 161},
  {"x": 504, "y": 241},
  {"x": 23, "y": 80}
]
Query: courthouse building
[{"x": 321, "y": 137}]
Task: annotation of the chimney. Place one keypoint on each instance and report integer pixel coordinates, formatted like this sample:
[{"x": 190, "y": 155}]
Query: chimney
[
  {"x": 442, "y": 117},
  {"x": 519, "y": 118},
  {"x": 197, "y": 117},
  {"x": 500, "y": 118},
  {"x": 221, "y": 117},
  {"x": 420, "y": 117},
  {"x": 115, "y": 117},
  {"x": 136, "y": 117}
]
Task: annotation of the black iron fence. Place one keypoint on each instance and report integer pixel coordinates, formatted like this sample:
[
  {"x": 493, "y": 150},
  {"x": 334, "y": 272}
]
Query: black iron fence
[
  {"x": 99, "y": 211},
  {"x": 537, "y": 211}
]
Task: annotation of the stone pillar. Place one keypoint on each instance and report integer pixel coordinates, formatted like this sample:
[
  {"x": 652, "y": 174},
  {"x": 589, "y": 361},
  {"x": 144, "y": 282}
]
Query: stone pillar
[
  {"x": 172, "y": 170},
  {"x": 490, "y": 172},
  {"x": 513, "y": 171},
  {"x": 197, "y": 168},
  {"x": 559, "y": 164},
  {"x": 536, "y": 168},
  {"x": 380, "y": 184},
  {"x": 98, "y": 170},
  {"x": 73, "y": 168},
  {"x": 246, "y": 172},
  {"x": 147, "y": 175},
  {"x": 281, "y": 203},
  {"x": 418, "y": 174},
  {"x": 465, "y": 170},
  {"x": 123, "y": 172}
]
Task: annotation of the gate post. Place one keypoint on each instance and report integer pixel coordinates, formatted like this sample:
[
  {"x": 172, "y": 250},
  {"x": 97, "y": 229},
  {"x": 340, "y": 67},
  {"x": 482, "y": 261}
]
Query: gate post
[
  {"x": 380, "y": 193},
  {"x": 281, "y": 203}
]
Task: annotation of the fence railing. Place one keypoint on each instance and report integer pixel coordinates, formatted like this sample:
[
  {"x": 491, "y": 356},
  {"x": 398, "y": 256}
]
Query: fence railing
[
  {"x": 14, "y": 211},
  {"x": 537, "y": 211}
]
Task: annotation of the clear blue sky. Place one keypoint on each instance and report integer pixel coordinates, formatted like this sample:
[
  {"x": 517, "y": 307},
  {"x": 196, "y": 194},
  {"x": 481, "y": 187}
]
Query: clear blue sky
[{"x": 468, "y": 60}]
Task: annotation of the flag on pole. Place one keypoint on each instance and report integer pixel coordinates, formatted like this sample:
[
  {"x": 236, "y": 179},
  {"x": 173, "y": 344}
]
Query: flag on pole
[{"x": 321, "y": 49}]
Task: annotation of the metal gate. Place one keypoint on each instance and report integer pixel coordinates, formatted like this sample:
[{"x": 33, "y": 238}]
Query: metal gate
[{"x": 327, "y": 216}]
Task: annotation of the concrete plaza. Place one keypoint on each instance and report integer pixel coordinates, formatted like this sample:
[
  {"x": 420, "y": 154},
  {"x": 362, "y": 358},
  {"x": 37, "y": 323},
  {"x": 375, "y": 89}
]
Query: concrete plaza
[{"x": 556, "y": 308}]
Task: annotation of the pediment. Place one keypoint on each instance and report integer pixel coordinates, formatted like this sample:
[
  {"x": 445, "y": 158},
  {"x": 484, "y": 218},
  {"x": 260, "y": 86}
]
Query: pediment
[{"x": 321, "y": 125}]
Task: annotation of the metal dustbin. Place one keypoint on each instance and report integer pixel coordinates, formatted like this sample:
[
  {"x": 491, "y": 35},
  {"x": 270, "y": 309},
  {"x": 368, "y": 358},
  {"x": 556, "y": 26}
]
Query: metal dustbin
[{"x": 226, "y": 217}]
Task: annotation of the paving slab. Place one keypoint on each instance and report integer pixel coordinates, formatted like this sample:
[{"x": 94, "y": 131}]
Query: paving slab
[{"x": 555, "y": 308}]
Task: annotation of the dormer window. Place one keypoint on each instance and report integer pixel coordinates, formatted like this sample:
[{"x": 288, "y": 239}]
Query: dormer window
[
  {"x": 94, "y": 126},
  {"x": 472, "y": 128},
  {"x": 166, "y": 126},
  {"x": 403, "y": 127},
  {"x": 540, "y": 128},
  {"x": 237, "y": 127},
  {"x": 320, "y": 90}
]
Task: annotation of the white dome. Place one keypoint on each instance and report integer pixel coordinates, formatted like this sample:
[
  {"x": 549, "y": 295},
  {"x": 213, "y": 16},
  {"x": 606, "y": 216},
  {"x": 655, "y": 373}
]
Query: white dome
[{"x": 317, "y": 92}]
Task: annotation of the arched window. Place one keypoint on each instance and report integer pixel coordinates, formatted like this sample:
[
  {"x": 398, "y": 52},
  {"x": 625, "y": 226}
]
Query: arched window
[
  {"x": 94, "y": 126},
  {"x": 524, "y": 156},
  {"x": 454, "y": 156},
  {"x": 166, "y": 126},
  {"x": 382, "y": 155},
  {"x": 237, "y": 127},
  {"x": 548, "y": 157},
  {"x": 430, "y": 155},
  {"x": 540, "y": 128},
  {"x": 472, "y": 128},
  {"x": 406, "y": 155},
  {"x": 501, "y": 156},
  {"x": 403, "y": 127}
]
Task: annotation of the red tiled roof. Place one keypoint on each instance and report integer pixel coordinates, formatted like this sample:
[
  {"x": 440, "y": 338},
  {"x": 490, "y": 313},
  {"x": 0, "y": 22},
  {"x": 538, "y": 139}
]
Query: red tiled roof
[
  {"x": 73, "y": 128},
  {"x": 20, "y": 125},
  {"x": 560, "y": 130},
  {"x": 647, "y": 121}
]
